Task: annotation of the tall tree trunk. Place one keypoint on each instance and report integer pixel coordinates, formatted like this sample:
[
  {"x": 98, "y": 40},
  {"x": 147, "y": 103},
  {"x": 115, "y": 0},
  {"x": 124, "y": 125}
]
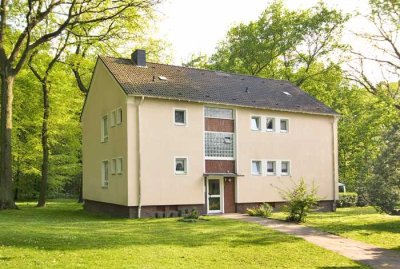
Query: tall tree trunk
[
  {"x": 45, "y": 146},
  {"x": 6, "y": 188}
]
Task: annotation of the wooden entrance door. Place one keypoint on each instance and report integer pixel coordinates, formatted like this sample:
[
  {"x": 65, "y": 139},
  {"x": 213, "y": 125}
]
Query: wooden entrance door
[{"x": 229, "y": 195}]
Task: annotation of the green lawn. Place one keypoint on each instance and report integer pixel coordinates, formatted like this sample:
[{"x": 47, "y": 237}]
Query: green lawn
[
  {"x": 64, "y": 236},
  {"x": 359, "y": 223}
]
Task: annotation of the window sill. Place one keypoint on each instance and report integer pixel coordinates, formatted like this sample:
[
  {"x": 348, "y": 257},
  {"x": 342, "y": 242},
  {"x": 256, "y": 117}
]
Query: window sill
[
  {"x": 257, "y": 175},
  {"x": 180, "y": 174},
  {"x": 271, "y": 174}
]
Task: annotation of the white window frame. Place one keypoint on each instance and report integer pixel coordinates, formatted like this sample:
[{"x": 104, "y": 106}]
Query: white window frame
[
  {"x": 287, "y": 125},
  {"x": 223, "y": 118},
  {"x": 259, "y": 122},
  {"x": 104, "y": 138},
  {"x": 112, "y": 118},
  {"x": 275, "y": 168},
  {"x": 186, "y": 168},
  {"x": 105, "y": 177},
  {"x": 118, "y": 166},
  {"x": 118, "y": 116},
  {"x": 261, "y": 168},
  {"x": 273, "y": 124},
  {"x": 185, "y": 116},
  {"x": 113, "y": 166},
  {"x": 289, "y": 168}
]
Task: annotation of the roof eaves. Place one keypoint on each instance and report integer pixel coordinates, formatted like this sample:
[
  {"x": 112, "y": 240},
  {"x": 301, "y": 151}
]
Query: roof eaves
[{"x": 335, "y": 114}]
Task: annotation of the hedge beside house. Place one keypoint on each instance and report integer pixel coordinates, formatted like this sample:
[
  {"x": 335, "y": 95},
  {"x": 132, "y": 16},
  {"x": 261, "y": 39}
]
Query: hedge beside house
[{"x": 347, "y": 199}]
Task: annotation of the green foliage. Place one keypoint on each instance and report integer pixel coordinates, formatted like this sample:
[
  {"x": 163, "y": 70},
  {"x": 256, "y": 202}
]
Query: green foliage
[
  {"x": 347, "y": 199},
  {"x": 264, "y": 210},
  {"x": 300, "y": 200},
  {"x": 191, "y": 215},
  {"x": 384, "y": 185}
]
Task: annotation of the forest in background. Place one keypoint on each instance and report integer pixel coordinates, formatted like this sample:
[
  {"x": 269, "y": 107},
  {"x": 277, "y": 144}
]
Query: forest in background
[{"x": 302, "y": 46}]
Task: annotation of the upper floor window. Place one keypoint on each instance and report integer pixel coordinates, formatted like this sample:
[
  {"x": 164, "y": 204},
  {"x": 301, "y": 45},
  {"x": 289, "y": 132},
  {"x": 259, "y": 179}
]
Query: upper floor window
[
  {"x": 104, "y": 174},
  {"x": 255, "y": 123},
  {"x": 256, "y": 168},
  {"x": 112, "y": 118},
  {"x": 284, "y": 125},
  {"x": 220, "y": 113},
  {"x": 285, "y": 168},
  {"x": 270, "y": 124},
  {"x": 180, "y": 117},
  {"x": 219, "y": 145},
  {"x": 118, "y": 116},
  {"x": 181, "y": 166},
  {"x": 116, "y": 166},
  {"x": 104, "y": 128}
]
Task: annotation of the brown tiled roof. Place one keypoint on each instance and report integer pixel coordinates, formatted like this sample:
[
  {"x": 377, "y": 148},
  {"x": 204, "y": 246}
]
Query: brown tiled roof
[{"x": 191, "y": 84}]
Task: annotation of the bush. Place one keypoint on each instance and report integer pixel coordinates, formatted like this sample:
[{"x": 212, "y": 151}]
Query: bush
[
  {"x": 264, "y": 210},
  {"x": 191, "y": 215},
  {"x": 300, "y": 201},
  {"x": 347, "y": 199}
]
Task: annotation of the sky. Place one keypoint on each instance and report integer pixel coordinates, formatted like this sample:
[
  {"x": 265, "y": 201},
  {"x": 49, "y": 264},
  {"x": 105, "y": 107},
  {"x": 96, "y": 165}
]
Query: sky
[{"x": 196, "y": 26}]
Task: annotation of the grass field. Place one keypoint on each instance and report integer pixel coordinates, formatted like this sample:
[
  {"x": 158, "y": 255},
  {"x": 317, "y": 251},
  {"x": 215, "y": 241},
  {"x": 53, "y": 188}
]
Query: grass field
[
  {"x": 359, "y": 223},
  {"x": 64, "y": 236}
]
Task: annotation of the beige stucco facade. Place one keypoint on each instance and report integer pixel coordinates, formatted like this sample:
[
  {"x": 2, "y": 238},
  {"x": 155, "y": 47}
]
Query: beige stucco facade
[{"x": 149, "y": 141}]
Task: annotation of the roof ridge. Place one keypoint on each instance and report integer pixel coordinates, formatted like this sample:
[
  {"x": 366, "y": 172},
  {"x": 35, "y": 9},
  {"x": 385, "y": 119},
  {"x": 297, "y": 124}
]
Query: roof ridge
[{"x": 207, "y": 70}]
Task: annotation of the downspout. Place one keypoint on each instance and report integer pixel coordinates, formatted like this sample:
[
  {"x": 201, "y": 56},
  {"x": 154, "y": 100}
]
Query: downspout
[
  {"x": 334, "y": 154},
  {"x": 139, "y": 160}
]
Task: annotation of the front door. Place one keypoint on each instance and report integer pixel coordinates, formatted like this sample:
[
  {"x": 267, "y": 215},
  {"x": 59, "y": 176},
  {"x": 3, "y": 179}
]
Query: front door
[{"x": 214, "y": 197}]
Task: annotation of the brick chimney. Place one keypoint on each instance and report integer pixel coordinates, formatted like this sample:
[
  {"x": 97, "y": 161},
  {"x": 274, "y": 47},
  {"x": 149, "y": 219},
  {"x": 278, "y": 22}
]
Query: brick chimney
[{"x": 139, "y": 57}]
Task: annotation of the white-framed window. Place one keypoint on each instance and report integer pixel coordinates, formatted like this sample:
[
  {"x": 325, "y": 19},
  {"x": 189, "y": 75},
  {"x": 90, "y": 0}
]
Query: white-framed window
[
  {"x": 218, "y": 113},
  {"x": 118, "y": 166},
  {"x": 256, "y": 123},
  {"x": 118, "y": 116},
  {"x": 256, "y": 168},
  {"x": 285, "y": 168},
  {"x": 113, "y": 166},
  {"x": 180, "y": 116},
  {"x": 104, "y": 174},
  {"x": 271, "y": 168},
  {"x": 270, "y": 124},
  {"x": 181, "y": 165},
  {"x": 112, "y": 118},
  {"x": 284, "y": 125},
  {"x": 104, "y": 128}
]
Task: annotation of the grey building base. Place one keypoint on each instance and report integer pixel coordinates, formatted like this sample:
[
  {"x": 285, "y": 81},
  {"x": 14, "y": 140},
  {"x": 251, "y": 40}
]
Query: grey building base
[{"x": 162, "y": 211}]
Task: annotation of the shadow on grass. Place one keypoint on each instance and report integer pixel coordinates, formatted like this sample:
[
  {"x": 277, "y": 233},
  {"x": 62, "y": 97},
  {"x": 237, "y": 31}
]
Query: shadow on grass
[{"x": 67, "y": 227}]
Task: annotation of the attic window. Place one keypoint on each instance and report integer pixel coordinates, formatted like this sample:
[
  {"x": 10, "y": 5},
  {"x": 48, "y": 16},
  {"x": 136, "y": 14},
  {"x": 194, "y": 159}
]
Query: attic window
[
  {"x": 288, "y": 94},
  {"x": 162, "y": 78}
]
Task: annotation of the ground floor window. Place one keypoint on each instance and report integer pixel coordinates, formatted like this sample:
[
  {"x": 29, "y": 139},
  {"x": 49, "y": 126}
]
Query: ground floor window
[{"x": 104, "y": 174}]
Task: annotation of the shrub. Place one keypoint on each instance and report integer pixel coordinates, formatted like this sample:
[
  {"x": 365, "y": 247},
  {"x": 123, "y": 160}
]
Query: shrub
[
  {"x": 193, "y": 214},
  {"x": 264, "y": 210},
  {"x": 300, "y": 201},
  {"x": 347, "y": 199}
]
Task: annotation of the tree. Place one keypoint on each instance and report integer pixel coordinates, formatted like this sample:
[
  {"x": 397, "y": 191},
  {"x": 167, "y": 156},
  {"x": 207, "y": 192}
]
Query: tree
[
  {"x": 23, "y": 28},
  {"x": 44, "y": 81},
  {"x": 384, "y": 186},
  {"x": 383, "y": 42},
  {"x": 282, "y": 44}
]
